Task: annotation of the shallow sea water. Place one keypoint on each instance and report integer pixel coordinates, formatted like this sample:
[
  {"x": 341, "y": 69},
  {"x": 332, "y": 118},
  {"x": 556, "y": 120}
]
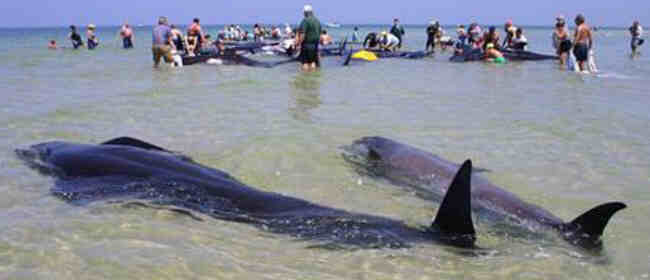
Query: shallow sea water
[{"x": 562, "y": 140}]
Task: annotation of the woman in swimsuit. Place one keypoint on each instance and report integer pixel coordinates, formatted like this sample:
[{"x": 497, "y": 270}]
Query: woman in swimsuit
[{"x": 561, "y": 42}]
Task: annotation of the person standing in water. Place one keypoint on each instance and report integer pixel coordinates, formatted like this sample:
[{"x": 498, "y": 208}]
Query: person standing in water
[
  {"x": 162, "y": 42},
  {"x": 583, "y": 42},
  {"x": 636, "y": 31},
  {"x": 398, "y": 31},
  {"x": 126, "y": 32},
  {"x": 178, "y": 39},
  {"x": 510, "y": 31},
  {"x": 432, "y": 31},
  {"x": 561, "y": 41},
  {"x": 307, "y": 38},
  {"x": 356, "y": 38},
  {"x": 75, "y": 38},
  {"x": 93, "y": 42},
  {"x": 195, "y": 34}
]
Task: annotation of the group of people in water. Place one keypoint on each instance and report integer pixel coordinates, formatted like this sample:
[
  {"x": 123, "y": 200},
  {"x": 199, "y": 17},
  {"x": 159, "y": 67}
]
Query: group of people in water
[
  {"x": 309, "y": 36},
  {"x": 126, "y": 34}
]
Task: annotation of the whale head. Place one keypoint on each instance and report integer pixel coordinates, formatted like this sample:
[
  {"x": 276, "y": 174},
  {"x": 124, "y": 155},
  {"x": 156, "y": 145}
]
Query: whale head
[{"x": 38, "y": 157}]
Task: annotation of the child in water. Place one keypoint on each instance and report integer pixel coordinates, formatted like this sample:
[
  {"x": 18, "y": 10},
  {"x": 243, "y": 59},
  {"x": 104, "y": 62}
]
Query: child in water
[{"x": 52, "y": 45}]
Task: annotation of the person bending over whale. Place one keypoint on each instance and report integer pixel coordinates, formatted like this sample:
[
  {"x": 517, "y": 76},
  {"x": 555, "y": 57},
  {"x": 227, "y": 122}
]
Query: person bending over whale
[
  {"x": 127, "y": 168},
  {"x": 371, "y": 41},
  {"x": 428, "y": 175},
  {"x": 389, "y": 42}
]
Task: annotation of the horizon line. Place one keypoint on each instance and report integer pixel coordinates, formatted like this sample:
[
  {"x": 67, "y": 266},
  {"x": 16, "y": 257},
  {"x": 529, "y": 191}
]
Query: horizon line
[{"x": 282, "y": 24}]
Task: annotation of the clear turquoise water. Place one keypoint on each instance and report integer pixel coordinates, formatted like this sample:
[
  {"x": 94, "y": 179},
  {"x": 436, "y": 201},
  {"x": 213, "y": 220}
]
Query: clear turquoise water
[{"x": 562, "y": 140}]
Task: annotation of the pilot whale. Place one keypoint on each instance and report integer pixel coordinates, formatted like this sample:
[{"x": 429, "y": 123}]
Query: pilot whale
[
  {"x": 127, "y": 168},
  {"x": 428, "y": 175}
]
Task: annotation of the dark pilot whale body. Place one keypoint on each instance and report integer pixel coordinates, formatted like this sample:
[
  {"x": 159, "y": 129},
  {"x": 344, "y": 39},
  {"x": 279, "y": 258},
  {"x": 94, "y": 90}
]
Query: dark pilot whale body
[
  {"x": 127, "y": 168},
  {"x": 429, "y": 176}
]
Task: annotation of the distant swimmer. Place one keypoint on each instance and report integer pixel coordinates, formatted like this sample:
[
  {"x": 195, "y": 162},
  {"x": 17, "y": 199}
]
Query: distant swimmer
[
  {"x": 398, "y": 31},
  {"x": 52, "y": 45},
  {"x": 308, "y": 37},
  {"x": 75, "y": 38},
  {"x": 561, "y": 41},
  {"x": 93, "y": 42},
  {"x": 355, "y": 38},
  {"x": 583, "y": 42},
  {"x": 162, "y": 42},
  {"x": 126, "y": 32},
  {"x": 636, "y": 31},
  {"x": 388, "y": 41},
  {"x": 325, "y": 39},
  {"x": 371, "y": 41}
]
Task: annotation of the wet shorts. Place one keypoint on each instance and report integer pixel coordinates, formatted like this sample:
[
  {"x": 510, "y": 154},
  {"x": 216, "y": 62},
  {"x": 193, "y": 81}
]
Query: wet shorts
[
  {"x": 162, "y": 51},
  {"x": 565, "y": 46},
  {"x": 581, "y": 51},
  {"x": 309, "y": 53}
]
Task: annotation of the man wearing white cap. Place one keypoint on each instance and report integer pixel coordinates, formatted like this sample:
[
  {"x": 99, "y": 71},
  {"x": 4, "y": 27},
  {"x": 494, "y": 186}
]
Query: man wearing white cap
[{"x": 308, "y": 37}]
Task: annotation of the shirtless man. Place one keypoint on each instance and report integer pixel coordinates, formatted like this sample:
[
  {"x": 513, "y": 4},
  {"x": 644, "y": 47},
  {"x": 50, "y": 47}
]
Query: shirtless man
[
  {"x": 195, "y": 33},
  {"x": 127, "y": 36},
  {"x": 325, "y": 39},
  {"x": 583, "y": 42}
]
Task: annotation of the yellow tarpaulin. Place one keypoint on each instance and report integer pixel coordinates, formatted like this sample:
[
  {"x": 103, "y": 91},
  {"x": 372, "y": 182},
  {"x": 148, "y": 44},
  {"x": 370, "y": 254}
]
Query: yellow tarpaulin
[{"x": 365, "y": 55}]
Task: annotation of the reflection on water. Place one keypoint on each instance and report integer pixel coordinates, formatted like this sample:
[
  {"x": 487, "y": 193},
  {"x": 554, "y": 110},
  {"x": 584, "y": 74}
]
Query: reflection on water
[{"x": 305, "y": 95}]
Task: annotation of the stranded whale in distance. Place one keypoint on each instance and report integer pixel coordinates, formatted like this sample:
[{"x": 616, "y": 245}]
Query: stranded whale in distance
[
  {"x": 429, "y": 176},
  {"x": 127, "y": 168}
]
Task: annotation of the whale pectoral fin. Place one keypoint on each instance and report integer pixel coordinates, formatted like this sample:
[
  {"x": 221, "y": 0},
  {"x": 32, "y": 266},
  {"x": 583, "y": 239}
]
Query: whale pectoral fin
[
  {"x": 454, "y": 218},
  {"x": 586, "y": 230},
  {"x": 82, "y": 191},
  {"x": 128, "y": 141}
]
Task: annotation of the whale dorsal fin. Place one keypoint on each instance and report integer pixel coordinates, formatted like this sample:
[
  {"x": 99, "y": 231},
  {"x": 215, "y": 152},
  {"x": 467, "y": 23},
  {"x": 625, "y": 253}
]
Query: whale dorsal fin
[
  {"x": 454, "y": 218},
  {"x": 128, "y": 141},
  {"x": 585, "y": 231}
]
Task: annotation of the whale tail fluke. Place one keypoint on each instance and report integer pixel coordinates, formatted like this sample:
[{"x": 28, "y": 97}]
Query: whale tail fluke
[
  {"x": 454, "y": 218},
  {"x": 585, "y": 231}
]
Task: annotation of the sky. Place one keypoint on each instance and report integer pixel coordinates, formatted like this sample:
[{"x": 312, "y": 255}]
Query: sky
[{"x": 35, "y": 13}]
